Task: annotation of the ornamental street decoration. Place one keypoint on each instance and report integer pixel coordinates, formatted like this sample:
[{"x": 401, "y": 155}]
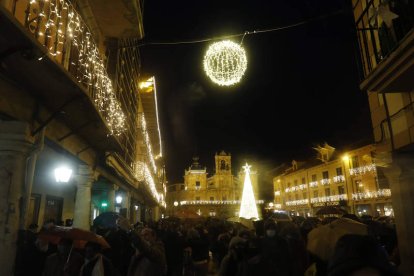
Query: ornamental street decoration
[{"x": 225, "y": 63}]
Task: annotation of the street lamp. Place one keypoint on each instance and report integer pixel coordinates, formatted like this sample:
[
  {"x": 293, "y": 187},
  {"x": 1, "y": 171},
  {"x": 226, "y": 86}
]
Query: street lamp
[
  {"x": 63, "y": 174},
  {"x": 118, "y": 199},
  {"x": 175, "y": 203}
]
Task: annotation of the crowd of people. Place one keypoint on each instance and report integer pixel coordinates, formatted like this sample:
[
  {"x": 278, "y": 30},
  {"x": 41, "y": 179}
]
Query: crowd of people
[{"x": 212, "y": 246}]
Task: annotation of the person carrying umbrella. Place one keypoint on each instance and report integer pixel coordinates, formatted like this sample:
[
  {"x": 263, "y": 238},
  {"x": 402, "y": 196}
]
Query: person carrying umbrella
[{"x": 63, "y": 262}]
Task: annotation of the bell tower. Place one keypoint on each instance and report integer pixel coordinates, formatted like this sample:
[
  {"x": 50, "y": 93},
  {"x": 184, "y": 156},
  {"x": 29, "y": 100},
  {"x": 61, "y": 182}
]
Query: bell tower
[{"x": 223, "y": 163}]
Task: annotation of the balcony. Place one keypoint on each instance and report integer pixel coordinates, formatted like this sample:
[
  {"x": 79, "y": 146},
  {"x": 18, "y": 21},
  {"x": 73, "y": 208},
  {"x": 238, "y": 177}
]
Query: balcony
[
  {"x": 54, "y": 53},
  {"x": 386, "y": 43}
]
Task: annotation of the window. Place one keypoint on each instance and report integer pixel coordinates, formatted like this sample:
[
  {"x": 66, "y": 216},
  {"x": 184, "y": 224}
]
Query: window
[
  {"x": 305, "y": 196},
  {"x": 211, "y": 198},
  {"x": 295, "y": 182},
  {"x": 315, "y": 194},
  {"x": 339, "y": 171},
  {"x": 288, "y": 184},
  {"x": 290, "y": 198},
  {"x": 355, "y": 162},
  {"x": 224, "y": 197},
  {"x": 197, "y": 185},
  {"x": 303, "y": 180},
  {"x": 296, "y": 197},
  {"x": 313, "y": 177},
  {"x": 197, "y": 198},
  {"x": 341, "y": 190},
  {"x": 327, "y": 192},
  {"x": 325, "y": 175},
  {"x": 182, "y": 187}
]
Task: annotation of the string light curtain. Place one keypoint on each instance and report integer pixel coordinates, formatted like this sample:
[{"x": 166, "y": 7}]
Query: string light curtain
[
  {"x": 59, "y": 27},
  {"x": 128, "y": 67}
]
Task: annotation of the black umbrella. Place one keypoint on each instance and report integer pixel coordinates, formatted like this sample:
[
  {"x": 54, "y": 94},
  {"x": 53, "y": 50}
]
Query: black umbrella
[{"x": 109, "y": 220}]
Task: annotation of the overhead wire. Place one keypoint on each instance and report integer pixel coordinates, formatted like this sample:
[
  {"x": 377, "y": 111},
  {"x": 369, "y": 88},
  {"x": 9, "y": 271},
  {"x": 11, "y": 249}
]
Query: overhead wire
[{"x": 201, "y": 40}]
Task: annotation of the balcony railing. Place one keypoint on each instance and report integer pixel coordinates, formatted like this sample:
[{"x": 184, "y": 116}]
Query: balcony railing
[
  {"x": 381, "y": 26},
  {"x": 66, "y": 38},
  {"x": 60, "y": 29}
]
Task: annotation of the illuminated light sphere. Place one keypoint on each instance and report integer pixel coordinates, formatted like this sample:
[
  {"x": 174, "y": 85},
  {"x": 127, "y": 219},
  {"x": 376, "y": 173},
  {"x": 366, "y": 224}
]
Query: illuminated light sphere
[{"x": 225, "y": 62}]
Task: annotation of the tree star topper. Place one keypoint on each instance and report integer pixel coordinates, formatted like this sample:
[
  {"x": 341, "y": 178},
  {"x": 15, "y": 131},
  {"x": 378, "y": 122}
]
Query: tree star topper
[
  {"x": 225, "y": 62},
  {"x": 246, "y": 168}
]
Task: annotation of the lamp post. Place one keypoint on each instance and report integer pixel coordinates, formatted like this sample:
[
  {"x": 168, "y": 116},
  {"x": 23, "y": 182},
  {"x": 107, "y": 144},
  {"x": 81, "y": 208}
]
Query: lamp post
[{"x": 63, "y": 174}]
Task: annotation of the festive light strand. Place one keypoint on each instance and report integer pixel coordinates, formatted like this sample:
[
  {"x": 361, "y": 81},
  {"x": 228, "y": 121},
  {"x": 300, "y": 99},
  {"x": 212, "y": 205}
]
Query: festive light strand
[
  {"x": 61, "y": 30},
  {"x": 375, "y": 194},
  {"x": 142, "y": 173},
  {"x": 339, "y": 179},
  {"x": 215, "y": 202},
  {"x": 297, "y": 202},
  {"x": 329, "y": 198},
  {"x": 147, "y": 141},
  {"x": 363, "y": 170}
]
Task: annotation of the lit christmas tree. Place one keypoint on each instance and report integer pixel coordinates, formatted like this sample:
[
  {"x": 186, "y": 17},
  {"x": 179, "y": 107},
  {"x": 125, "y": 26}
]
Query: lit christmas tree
[{"x": 248, "y": 207}]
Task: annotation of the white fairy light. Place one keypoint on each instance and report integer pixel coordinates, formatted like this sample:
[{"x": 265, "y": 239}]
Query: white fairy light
[
  {"x": 363, "y": 169},
  {"x": 215, "y": 202},
  {"x": 329, "y": 198},
  {"x": 300, "y": 187},
  {"x": 339, "y": 178},
  {"x": 297, "y": 202},
  {"x": 142, "y": 173},
  {"x": 225, "y": 62},
  {"x": 374, "y": 194},
  {"x": 313, "y": 184},
  {"x": 325, "y": 181},
  {"x": 62, "y": 28},
  {"x": 248, "y": 208},
  {"x": 147, "y": 141}
]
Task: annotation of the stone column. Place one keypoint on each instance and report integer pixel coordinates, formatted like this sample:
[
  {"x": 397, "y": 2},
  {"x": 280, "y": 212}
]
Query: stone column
[
  {"x": 15, "y": 144},
  {"x": 82, "y": 214},
  {"x": 156, "y": 213},
  {"x": 400, "y": 175},
  {"x": 126, "y": 203},
  {"x": 111, "y": 197}
]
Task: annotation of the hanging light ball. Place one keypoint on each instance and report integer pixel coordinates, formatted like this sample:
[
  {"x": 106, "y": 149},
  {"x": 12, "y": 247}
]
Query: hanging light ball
[{"x": 225, "y": 62}]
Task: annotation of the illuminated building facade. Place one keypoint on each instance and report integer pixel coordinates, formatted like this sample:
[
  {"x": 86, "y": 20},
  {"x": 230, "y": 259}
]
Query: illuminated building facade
[
  {"x": 349, "y": 180},
  {"x": 70, "y": 94},
  {"x": 385, "y": 40},
  {"x": 218, "y": 195}
]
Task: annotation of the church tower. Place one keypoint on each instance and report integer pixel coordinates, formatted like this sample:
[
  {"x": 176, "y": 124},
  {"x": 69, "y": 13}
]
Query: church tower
[{"x": 223, "y": 163}]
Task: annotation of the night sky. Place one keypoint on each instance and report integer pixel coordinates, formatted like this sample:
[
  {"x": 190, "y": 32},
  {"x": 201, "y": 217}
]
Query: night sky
[{"x": 300, "y": 88}]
